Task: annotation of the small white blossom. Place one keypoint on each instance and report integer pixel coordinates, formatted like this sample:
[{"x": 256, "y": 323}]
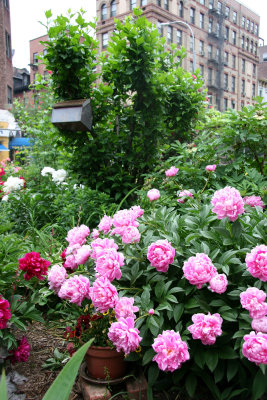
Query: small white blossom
[
  {"x": 12, "y": 184},
  {"x": 59, "y": 175},
  {"x": 47, "y": 170},
  {"x": 5, "y": 198}
]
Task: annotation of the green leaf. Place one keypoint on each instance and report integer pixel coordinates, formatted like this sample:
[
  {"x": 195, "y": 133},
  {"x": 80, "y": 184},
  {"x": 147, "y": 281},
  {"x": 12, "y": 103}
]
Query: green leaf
[
  {"x": 61, "y": 387},
  {"x": 149, "y": 354},
  {"x": 178, "y": 311},
  {"x": 48, "y": 14},
  {"x": 153, "y": 373},
  {"x": 3, "y": 388},
  {"x": 232, "y": 368},
  {"x": 226, "y": 352},
  {"x": 211, "y": 358},
  {"x": 190, "y": 384},
  {"x": 259, "y": 385}
]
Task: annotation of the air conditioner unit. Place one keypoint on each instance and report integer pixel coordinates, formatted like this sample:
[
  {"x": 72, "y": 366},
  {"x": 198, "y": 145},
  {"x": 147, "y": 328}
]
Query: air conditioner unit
[{"x": 202, "y": 53}]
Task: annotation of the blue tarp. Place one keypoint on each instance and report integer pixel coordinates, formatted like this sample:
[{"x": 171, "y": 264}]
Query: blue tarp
[
  {"x": 19, "y": 142},
  {"x": 2, "y": 147}
]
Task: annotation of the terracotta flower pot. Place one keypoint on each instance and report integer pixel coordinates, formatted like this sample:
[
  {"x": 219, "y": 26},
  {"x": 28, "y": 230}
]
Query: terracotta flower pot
[{"x": 105, "y": 363}]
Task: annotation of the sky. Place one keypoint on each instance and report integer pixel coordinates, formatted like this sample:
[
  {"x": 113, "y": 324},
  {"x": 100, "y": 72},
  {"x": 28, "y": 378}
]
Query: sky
[{"x": 25, "y": 15}]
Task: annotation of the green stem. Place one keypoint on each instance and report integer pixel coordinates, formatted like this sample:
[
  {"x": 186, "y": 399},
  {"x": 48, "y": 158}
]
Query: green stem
[
  {"x": 141, "y": 316},
  {"x": 206, "y": 183}
]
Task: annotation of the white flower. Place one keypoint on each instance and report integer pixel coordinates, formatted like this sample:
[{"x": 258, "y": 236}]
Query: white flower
[
  {"x": 59, "y": 175},
  {"x": 47, "y": 170},
  {"x": 75, "y": 187},
  {"x": 5, "y": 198},
  {"x": 12, "y": 184}
]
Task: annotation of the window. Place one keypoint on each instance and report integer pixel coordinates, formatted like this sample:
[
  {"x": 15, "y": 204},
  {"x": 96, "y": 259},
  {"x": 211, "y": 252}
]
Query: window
[
  {"x": 226, "y": 34},
  {"x": 255, "y": 49},
  {"x": 159, "y": 3},
  {"x": 8, "y": 45},
  {"x": 242, "y": 104},
  {"x": 247, "y": 44},
  {"x": 143, "y": 3},
  {"x": 256, "y": 29},
  {"x": 225, "y": 103},
  {"x": 234, "y": 17},
  {"x": 201, "y": 47},
  {"x": 179, "y": 37},
  {"x": 243, "y": 42},
  {"x": 233, "y": 83},
  {"x": 233, "y": 61},
  {"x": 201, "y": 20},
  {"x": 9, "y": 95},
  {"x": 209, "y": 51},
  {"x": 104, "y": 12},
  {"x": 6, "y": 4},
  {"x": 210, "y": 25},
  {"x": 191, "y": 43},
  {"x": 219, "y": 7},
  {"x": 202, "y": 2},
  {"x": 217, "y": 54},
  {"x": 225, "y": 81},
  {"x": 227, "y": 12},
  {"x": 254, "y": 69},
  {"x": 201, "y": 67},
  {"x": 160, "y": 28},
  {"x": 243, "y": 22},
  {"x": 218, "y": 29},
  {"x": 166, "y": 4},
  {"x": 181, "y": 9},
  {"x": 113, "y": 10},
  {"x": 191, "y": 66},
  {"x": 234, "y": 37},
  {"x": 192, "y": 15},
  {"x": 104, "y": 40},
  {"x": 210, "y": 76},
  {"x": 233, "y": 104},
  {"x": 251, "y": 46},
  {"x": 253, "y": 90},
  {"x": 132, "y": 4},
  {"x": 252, "y": 27},
  {"x": 243, "y": 87},
  {"x": 226, "y": 57},
  {"x": 211, "y": 4},
  {"x": 170, "y": 34},
  {"x": 34, "y": 77},
  {"x": 44, "y": 52},
  {"x": 243, "y": 65},
  {"x": 248, "y": 24}
]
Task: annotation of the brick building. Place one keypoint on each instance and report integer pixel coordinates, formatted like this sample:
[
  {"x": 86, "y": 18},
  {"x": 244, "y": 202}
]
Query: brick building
[
  {"x": 37, "y": 67},
  {"x": 226, "y": 41},
  {"x": 262, "y": 75},
  {"x": 6, "y": 69}
]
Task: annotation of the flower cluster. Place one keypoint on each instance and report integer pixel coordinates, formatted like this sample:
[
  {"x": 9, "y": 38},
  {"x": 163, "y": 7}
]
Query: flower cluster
[
  {"x": 161, "y": 255},
  {"x": 253, "y": 201},
  {"x": 78, "y": 235},
  {"x": 256, "y": 262},
  {"x": 5, "y": 313},
  {"x": 34, "y": 266},
  {"x": 75, "y": 289},
  {"x": 206, "y": 327},
  {"x": 58, "y": 176},
  {"x": 253, "y": 300},
  {"x": 227, "y": 202},
  {"x": 183, "y": 195},
  {"x": 255, "y": 347},
  {"x": 199, "y": 270},
  {"x": 13, "y": 184},
  {"x": 124, "y": 335},
  {"x": 56, "y": 277}
]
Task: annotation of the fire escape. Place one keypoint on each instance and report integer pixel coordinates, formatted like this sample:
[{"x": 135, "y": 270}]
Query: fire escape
[{"x": 216, "y": 36}]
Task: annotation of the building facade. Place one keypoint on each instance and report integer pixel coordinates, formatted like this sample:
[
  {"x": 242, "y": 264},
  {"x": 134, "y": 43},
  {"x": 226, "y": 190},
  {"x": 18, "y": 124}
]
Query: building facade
[
  {"x": 21, "y": 84},
  {"x": 226, "y": 37},
  {"x": 37, "y": 49},
  {"x": 6, "y": 69},
  {"x": 262, "y": 75}
]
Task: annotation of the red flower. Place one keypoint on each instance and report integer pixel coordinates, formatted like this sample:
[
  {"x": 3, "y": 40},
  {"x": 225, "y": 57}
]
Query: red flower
[
  {"x": 5, "y": 313},
  {"x": 50, "y": 72},
  {"x": 2, "y": 171},
  {"x": 63, "y": 254},
  {"x": 194, "y": 77},
  {"x": 34, "y": 265},
  {"x": 21, "y": 177},
  {"x": 22, "y": 352}
]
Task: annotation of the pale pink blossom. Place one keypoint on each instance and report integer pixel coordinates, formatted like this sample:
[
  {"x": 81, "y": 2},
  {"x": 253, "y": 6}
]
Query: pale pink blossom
[
  {"x": 161, "y": 255},
  {"x": 256, "y": 262},
  {"x": 125, "y": 308},
  {"x": 124, "y": 218},
  {"x": 69, "y": 257},
  {"x": 75, "y": 289},
  {"x": 253, "y": 201},
  {"x": 211, "y": 167},
  {"x": 253, "y": 300},
  {"x": 78, "y": 235},
  {"x": 171, "y": 350},
  {"x": 151, "y": 311},
  {"x": 108, "y": 263},
  {"x": 255, "y": 347},
  {"x": 206, "y": 327},
  {"x": 56, "y": 277},
  {"x": 105, "y": 224},
  {"x": 103, "y": 294},
  {"x": 199, "y": 269},
  {"x": 16, "y": 169},
  {"x": 218, "y": 283},
  {"x": 171, "y": 171},
  {"x": 137, "y": 211},
  {"x": 153, "y": 194},
  {"x": 82, "y": 254},
  {"x": 124, "y": 335},
  {"x": 259, "y": 324},
  {"x": 95, "y": 233},
  {"x": 183, "y": 196},
  {"x": 227, "y": 202},
  {"x": 98, "y": 245},
  {"x": 130, "y": 235}
]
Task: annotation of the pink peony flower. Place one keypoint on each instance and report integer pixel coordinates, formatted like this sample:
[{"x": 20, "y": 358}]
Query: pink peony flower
[
  {"x": 259, "y": 324},
  {"x": 199, "y": 270},
  {"x": 151, "y": 311},
  {"x": 153, "y": 194},
  {"x": 82, "y": 254},
  {"x": 98, "y": 245},
  {"x": 256, "y": 262},
  {"x": 184, "y": 194},
  {"x": 34, "y": 265},
  {"x": 137, "y": 211},
  {"x": 124, "y": 218},
  {"x": 103, "y": 294},
  {"x": 105, "y": 224},
  {"x": 108, "y": 264},
  {"x": 171, "y": 171},
  {"x": 22, "y": 352},
  {"x": 253, "y": 300},
  {"x": 171, "y": 351},
  {"x": 5, "y": 313},
  {"x": 211, "y": 168},
  {"x": 255, "y": 347},
  {"x": 125, "y": 308},
  {"x": 75, "y": 289},
  {"x": 161, "y": 255},
  {"x": 227, "y": 202},
  {"x": 206, "y": 327},
  {"x": 78, "y": 235},
  {"x": 130, "y": 235},
  {"x": 95, "y": 234},
  {"x": 253, "y": 201},
  {"x": 218, "y": 283},
  {"x": 68, "y": 256},
  {"x": 56, "y": 277},
  {"x": 124, "y": 335}
]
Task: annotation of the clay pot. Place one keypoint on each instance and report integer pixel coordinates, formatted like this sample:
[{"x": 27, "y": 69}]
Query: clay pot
[{"x": 105, "y": 363}]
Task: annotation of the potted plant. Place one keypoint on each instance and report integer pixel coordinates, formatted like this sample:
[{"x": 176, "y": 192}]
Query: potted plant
[{"x": 70, "y": 58}]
